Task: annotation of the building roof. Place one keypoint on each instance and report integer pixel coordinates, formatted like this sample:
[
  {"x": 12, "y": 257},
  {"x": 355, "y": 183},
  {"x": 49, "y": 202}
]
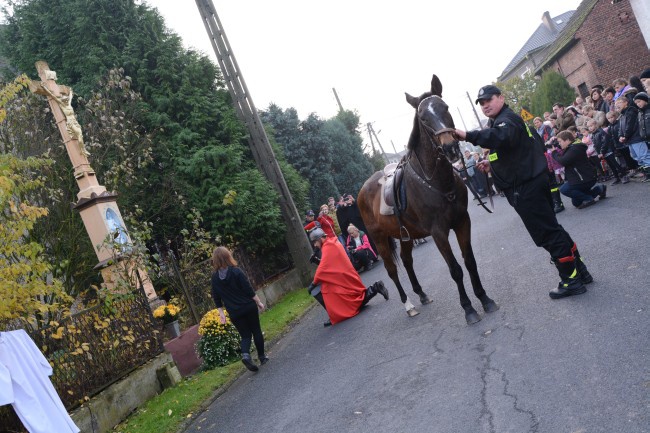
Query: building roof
[
  {"x": 567, "y": 35},
  {"x": 542, "y": 37}
]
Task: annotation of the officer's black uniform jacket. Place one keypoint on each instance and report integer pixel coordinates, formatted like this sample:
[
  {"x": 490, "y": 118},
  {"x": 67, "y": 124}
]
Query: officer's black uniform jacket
[
  {"x": 515, "y": 156},
  {"x": 577, "y": 167}
]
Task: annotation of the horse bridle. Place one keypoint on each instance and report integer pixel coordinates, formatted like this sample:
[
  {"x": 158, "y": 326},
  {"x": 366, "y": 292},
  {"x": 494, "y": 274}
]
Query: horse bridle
[{"x": 432, "y": 135}]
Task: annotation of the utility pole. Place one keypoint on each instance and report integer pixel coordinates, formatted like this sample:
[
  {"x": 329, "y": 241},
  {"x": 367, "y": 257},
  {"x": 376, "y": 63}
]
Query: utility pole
[
  {"x": 461, "y": 118},
  {"x": 299, "y": 245},
  {"x": 338, "y": 101},
  {"x": 393, "y": 144},
  {"x": 480, "y": 125},
  {"x": 372, "y": 142},
  {"x": 371, "y": 132}
]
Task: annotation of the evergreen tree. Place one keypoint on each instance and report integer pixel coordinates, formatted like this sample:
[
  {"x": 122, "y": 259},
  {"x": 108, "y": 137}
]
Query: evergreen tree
[
  {"x": 183, "y": 107},
  {"x": 552, "y": 88},
  {"x": 350, "y": 167}
]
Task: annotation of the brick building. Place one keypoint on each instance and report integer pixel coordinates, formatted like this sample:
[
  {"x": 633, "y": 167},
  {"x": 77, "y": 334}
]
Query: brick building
[{"x": 604, "y": 40}]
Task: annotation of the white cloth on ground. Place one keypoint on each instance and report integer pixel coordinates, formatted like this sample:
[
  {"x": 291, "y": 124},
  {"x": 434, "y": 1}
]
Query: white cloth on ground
[{"x": 35, "y": 400}]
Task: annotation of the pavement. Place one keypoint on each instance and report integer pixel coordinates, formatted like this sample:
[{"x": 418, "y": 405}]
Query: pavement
[{"x": 576, "y": 365}]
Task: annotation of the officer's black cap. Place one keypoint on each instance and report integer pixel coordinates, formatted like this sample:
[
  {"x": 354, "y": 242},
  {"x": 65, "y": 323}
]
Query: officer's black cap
[{"x": 486, "y": 92}]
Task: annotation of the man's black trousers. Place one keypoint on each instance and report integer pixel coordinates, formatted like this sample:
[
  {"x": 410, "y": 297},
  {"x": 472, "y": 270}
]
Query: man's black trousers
[{"x": 533, "y": 202}]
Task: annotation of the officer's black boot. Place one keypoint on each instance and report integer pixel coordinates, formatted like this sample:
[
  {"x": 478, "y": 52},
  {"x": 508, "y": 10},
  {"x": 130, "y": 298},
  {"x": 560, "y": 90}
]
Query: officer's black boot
[
  {"x": 570, "y": 283},
  {"x": 585, "y": 276},
  {"x": 558, "y": 206}
]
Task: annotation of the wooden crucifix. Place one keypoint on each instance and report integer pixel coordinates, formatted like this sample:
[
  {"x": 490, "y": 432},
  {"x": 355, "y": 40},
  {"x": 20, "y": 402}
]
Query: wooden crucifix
[{"x": 97, "y": 207}]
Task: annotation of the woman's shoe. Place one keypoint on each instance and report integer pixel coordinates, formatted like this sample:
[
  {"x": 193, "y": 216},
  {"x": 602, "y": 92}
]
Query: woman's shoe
[
  {"x": 248, "y": 362},
  {"x": 264, "y": 360}
]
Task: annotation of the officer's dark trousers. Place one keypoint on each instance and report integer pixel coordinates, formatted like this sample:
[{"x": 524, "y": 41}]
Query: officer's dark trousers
[{"x": 532, "y": 201}]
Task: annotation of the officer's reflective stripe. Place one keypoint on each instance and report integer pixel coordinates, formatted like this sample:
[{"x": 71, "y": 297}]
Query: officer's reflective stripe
[
  {"x": 574, "y": 274},
  {"x": 530, "y": 134},
  {"x": 554, "y": 189},
  {"x": 493, "y": 157}
]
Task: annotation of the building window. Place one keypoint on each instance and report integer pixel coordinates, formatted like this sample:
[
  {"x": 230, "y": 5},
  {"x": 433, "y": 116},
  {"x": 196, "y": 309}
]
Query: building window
[{"x": 583, "y": 90}]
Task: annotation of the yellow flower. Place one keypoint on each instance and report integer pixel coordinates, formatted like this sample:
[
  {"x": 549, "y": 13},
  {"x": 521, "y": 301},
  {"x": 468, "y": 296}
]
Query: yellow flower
[{"x": 167, "y": 313}]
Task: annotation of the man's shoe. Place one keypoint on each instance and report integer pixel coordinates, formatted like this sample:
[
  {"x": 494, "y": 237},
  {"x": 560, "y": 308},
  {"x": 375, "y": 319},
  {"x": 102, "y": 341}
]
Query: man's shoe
[
  {"x": 328, "y": 323},
  {"x": 559, "y": 208},
  {"x": 248, "y": 362},
  {"x": 569, "y": 287},
  {"x": 603, "y": 194},
  {"x": 585, "y": 204},
  {"x": 381, "y": 289},
  {"x": 264, "y": 360},
  {"x": 625, "y": 179}
]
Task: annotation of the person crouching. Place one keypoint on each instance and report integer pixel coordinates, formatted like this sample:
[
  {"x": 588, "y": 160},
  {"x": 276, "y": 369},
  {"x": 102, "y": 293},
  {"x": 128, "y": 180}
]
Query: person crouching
[
  {"x": 581, "y": 186},
  {"x": 342, "y": 290},
  {"x": 360, "y": 250}
]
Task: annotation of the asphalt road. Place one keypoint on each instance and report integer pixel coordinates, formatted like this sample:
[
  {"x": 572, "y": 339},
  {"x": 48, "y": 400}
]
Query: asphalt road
[{"x": 578, "y": 365}]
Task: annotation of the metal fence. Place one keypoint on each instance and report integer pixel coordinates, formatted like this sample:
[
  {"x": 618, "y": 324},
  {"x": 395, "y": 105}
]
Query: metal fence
[{"x": 93, "y": 349}]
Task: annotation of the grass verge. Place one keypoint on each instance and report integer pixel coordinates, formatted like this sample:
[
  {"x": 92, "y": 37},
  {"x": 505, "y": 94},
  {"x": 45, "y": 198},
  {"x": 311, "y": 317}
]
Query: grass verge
[{"x": 170, "y": 410}]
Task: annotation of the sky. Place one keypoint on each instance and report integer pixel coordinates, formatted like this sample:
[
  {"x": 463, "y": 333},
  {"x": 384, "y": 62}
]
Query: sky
[{"x": 293, "y": 52}]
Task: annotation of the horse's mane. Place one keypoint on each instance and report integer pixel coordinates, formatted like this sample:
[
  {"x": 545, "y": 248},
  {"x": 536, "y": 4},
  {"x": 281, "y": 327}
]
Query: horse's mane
[{"x": 415, "y": 134}]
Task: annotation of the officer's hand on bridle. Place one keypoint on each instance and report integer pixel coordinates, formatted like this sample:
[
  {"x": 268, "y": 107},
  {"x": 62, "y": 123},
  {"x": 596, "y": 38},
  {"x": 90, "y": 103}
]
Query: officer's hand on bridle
[{"x": 484, "y": 166}]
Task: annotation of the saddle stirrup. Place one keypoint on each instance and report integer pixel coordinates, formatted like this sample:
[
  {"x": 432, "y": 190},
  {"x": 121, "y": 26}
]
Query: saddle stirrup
[{"x": 404, "y": 234}]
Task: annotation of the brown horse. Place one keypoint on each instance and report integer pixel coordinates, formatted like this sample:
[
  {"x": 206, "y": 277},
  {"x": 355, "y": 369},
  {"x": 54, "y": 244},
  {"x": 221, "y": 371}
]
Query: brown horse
[{"x": 436, "y": 204}]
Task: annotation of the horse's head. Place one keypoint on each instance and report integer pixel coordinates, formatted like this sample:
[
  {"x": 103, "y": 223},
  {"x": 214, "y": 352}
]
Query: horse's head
[{"x": 434, "y": 119}]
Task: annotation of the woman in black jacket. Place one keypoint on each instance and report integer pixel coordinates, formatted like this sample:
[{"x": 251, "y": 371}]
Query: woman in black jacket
[
  {"x": 580, "y": 185},
  {"x": 231, "y": 288}
]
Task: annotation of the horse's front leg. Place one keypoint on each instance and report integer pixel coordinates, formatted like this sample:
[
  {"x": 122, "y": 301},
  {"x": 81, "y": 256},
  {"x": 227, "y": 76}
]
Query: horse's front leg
[
  {"x": 442, "y": 241},
  {"x": 406, "y": 254},
  {"x": 388, "y": 257},
  {"x": 464, "y": 237}
]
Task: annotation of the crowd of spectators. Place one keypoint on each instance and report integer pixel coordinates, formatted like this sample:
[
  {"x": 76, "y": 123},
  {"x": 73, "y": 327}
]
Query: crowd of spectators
[
  {"x": 613, "y": 123},
  {"x": 342, "y": 219}
]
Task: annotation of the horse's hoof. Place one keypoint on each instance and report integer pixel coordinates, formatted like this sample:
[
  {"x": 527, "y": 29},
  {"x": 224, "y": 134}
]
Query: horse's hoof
[
  {"x": 490, "y": 307},
  {"x": 472, "y": 318},
  {"x": 412, "y": 312},
  {"x": 424, "y": 299}
]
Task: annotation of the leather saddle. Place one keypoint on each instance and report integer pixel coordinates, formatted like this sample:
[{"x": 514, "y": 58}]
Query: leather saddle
[{"x": 393, "y": 189}]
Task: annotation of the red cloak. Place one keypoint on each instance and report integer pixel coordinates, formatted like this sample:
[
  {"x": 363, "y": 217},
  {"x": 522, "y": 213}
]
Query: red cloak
[{"x": 342, "y": 288}]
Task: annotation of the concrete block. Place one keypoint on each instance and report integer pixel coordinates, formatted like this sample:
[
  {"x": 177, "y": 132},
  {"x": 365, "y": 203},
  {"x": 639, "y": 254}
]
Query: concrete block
[
  {"x": 274, "y": 291},
  {"x": 168, "y": 375}
]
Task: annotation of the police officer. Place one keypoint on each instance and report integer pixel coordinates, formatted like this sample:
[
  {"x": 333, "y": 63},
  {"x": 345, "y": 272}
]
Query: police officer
[{"x": 519, "y": 169}]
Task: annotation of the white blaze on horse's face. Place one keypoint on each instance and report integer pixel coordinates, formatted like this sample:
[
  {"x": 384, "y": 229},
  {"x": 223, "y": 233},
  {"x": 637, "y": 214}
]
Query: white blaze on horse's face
[{"x": 433, "y": 114}]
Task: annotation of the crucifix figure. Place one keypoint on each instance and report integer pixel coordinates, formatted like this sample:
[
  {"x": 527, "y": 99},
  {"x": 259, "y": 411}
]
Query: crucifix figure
[{"x": 74, "y": 129}]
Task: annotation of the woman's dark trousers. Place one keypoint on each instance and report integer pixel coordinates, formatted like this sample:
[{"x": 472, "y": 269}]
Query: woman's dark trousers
[{"x": 248, "y": 326}]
